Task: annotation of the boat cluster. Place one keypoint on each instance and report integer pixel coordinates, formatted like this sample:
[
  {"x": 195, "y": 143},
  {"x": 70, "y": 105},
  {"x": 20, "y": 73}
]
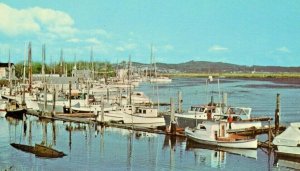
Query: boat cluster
[{"x": 118, "y": 102}]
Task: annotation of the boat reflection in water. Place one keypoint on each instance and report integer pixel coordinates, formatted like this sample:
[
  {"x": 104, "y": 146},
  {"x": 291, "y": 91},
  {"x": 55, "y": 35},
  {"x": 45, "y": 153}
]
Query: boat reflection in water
[
  {"x": 285, "y": 162},
  {"x": 215, "y": 157}
]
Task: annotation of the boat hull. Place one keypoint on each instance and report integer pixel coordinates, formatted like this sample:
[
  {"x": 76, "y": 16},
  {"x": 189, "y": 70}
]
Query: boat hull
[
  {"x": 288, "y": 151},
  {"x": 246, "y": 144},
  {"x": 17, "y": 113},
  {"x": 39, "y": 150}
]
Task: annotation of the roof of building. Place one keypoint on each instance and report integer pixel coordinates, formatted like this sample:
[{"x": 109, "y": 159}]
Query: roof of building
[{"x": 5, "y": 64}]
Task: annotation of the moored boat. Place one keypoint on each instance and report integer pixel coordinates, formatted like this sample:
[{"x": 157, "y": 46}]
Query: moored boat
[
  {"x": 288, "y": 142},
  {"x": 39, "y": 150},
  {"x": 215, "y": 134}
]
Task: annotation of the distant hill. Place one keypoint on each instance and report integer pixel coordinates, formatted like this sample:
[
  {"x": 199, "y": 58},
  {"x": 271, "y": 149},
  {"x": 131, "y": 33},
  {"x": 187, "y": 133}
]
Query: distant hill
[{"x": 204, "y": 66}]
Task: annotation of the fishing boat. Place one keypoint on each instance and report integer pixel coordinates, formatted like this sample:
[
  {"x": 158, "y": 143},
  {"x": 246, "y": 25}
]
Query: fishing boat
[
  {"x": 214, "y": 112},
  {"x": 288, "y": 142},
  {"x": 135, "y": 115},
  {"x": 14, "y": 110},
  {"x": 160, "y": 80},
  {"x": 39, "y": 150},
  {"x": 2, "y": 108},
  {"x": 212, "y": 133}
]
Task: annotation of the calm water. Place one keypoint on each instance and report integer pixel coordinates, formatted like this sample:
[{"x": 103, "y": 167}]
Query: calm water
[{"x": 89, "y": 147}]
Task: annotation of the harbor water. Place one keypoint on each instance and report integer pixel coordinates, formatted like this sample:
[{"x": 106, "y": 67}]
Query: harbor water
[{"x": 92, "y": 147}]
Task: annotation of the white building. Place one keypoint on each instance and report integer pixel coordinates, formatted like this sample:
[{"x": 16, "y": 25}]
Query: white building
[{"x": 4, "y": 71}]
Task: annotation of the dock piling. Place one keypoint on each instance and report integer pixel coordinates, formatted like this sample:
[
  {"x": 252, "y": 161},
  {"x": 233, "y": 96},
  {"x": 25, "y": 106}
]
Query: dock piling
[
  {"x": 180, "y": 102},
  {"x": 277, "y": 114},
  {"x": 70, "y": 88}
]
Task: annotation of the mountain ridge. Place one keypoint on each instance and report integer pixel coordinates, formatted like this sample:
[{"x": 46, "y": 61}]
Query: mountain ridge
[{"x": 207, "y": 66}]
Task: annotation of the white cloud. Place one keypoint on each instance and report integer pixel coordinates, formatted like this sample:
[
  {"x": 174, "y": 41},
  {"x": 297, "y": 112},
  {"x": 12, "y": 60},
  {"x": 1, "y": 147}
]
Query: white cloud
[
  {"x": 34, "y": 20},
  {"x": 128, "y": 46},
  {"x": 217, "y": 48},
  {"x": 283, "y": 49},
  {"x": 93, "y": 41},
  {"x": 74, "y": 40}
]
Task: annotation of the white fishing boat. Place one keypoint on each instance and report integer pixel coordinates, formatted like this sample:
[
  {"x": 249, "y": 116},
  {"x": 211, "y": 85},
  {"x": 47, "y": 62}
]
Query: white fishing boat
[
  {"x": 212, "y": 133},
  {"x": 160, "y": 80},
  {"x": 288, "y": 142},
  {"x": 3, "y": 104},
  {"x": 198, "y": 113},
  {"x": 135, "y": 115}
]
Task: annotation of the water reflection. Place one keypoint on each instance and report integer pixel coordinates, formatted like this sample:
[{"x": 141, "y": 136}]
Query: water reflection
[
  {"x": 286, "y": 162},
  {"x": 93, "y": 147}
]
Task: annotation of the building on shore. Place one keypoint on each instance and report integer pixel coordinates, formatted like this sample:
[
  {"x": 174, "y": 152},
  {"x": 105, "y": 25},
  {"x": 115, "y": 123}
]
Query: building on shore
[{"x": 4, "y": 71}]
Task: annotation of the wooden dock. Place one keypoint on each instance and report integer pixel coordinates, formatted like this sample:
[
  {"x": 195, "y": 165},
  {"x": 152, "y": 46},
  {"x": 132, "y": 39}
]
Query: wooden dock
[{"x": 89, "y": 119}]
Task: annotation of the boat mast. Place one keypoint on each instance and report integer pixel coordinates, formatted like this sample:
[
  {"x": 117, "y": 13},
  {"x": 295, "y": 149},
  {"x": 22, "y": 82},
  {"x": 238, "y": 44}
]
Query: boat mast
[
  {"x": 24, "y": 65},
  {"x": 61, "y": 63},
  {"x": 129, "y": 78},
  {"x": 9, "y": 73},
  {"x": 29, "y": 68},
  {"x": 92, "y": 63},
  {"x": 151, "y": 62}
]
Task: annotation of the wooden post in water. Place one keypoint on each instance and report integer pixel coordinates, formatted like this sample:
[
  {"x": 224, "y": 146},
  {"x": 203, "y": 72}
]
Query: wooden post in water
[
  {"x": 173, "y": 123},
  {"x": 269, "y": 134},
  {"x": 107, "y": 95},
  {"x": 54, "y": 101},
  {"x": 180, "y": 102},
  {"x": 277, "y": 114},
  {"x": 23, "y": 96},
  {"x": 70, "y": 88},
  {"x": 102, "y": 109},
  {"x": 45, "y": 99}
]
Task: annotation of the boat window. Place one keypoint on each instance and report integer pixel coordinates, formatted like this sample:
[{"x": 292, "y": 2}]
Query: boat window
[
  {"x": 202, "y": 109},
  {"x": 202, "y": 127},
  {"x": 144, "y": 111}
]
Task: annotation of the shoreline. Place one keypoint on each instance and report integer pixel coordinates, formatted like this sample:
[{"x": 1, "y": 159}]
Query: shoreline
[{"x": 283, "y": 78}]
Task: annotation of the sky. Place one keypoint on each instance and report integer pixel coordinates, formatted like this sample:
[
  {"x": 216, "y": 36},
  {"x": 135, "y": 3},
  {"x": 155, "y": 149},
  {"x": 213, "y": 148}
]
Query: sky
[{"x": 256, "y": 32}]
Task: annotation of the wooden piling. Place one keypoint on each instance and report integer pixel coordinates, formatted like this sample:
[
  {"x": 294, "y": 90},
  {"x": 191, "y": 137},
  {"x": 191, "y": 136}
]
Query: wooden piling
[
  {"x": 269, "y": 134},
  {"x": 54, "y": 101},
  {"x": 23, "y": 96},
  {"x": 102, "y": 109},
  {"x": 179, "y": 102},
  {"x": 277, "y": 114},
  {"x": 70, "y": 88},
  {"x": 173, "y": 122},
  {"x": 107, "y": 94}
]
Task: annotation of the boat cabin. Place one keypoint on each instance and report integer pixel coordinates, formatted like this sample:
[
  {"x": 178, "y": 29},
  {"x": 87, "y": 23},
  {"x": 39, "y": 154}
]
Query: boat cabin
[
  {"x": 212, "y": 130},
  {"x": 209, "y": 111},
  {"x": 140, "y": 110}
]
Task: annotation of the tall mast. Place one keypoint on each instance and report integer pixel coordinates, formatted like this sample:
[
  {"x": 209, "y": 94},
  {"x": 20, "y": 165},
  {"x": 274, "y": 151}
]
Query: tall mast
[
  {"x": 61, "y": 63},
  {"x": 92, "y": 63},
  {"x": 129, "y": 78},
  {"x": 43, "y": 61},
  {"x": 9, "y": 73},
  {"x": 151, "y": 60},
  {"x": 24, "y": 65},
  {"x": 29, "y": 67}
]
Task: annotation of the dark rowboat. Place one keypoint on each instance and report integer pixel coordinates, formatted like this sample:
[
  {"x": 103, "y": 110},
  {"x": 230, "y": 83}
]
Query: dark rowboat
[
  {"x": 39, "y": 150},
  {"x": 16, "y": 113}
]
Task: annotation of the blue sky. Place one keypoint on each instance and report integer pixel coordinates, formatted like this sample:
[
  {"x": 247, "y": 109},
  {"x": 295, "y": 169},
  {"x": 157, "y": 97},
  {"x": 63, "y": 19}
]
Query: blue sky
[{"x": 241, "y": 32}]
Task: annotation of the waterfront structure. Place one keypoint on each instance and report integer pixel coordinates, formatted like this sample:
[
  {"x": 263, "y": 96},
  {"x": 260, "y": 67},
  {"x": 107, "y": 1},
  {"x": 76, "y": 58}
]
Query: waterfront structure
[{"x": 4, "y": 71}]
